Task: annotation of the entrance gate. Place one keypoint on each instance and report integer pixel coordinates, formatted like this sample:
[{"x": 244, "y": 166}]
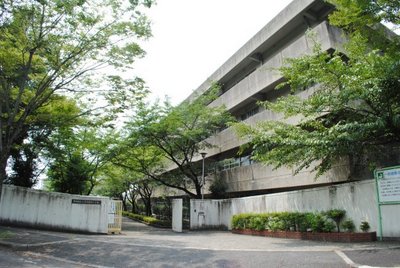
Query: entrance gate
[{"x": 114, "y": 217}]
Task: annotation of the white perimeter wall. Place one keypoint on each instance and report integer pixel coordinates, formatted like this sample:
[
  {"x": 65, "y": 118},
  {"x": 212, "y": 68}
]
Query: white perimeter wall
[
  {"x": 28, "y": 207},
  {"x": 357, "y": 198}
]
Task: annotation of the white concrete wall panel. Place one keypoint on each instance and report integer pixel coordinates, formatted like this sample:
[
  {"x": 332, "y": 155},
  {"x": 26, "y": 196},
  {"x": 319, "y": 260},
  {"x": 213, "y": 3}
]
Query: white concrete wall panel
[
  {"x": 177, "y": 207},
  {"x": 209, "y": 213},
  {"x": 53, "y": 210},
  {"x": 357, "y": 198}
]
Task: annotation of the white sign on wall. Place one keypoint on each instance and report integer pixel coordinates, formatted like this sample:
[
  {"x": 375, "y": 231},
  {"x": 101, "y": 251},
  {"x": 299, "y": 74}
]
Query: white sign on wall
[{"x": 388, "y": 183}]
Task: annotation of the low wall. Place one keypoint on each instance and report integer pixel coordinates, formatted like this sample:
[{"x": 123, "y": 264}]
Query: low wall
[
  {"x": 357, "y": 198},
  {"x": 54, "y": 211}
]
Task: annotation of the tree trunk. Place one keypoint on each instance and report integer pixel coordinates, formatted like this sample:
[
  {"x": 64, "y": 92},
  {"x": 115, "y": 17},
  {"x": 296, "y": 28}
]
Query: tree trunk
[
  {"x": 133, "y": 209},
  {"x": 3, "y": 174},
  {"x": 198, "y": 191},
  {"x": 147, "y": 203},
  {"x": 123, "y": 199}
]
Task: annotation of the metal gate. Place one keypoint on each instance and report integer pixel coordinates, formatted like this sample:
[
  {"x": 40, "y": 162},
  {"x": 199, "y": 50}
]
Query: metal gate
[{"x": 115, "y": 217}]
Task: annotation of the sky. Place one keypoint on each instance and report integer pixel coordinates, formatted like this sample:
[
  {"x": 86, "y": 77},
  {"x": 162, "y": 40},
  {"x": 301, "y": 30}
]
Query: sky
[{"x": 193, "y": 38}]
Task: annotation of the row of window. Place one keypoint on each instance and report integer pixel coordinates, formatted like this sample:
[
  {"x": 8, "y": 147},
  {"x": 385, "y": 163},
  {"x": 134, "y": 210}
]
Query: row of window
[{"x": 230, "y": 163}]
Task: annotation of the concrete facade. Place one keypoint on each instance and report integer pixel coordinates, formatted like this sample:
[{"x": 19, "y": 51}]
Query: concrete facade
[
  {"x": 359, "y": 199},
  {"x": 250, "y": 76},
  {"x": 54, "y": 211}
]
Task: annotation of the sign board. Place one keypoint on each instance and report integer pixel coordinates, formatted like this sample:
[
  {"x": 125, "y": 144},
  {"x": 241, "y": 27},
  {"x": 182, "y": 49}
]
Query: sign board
[
  {"x": 86, "y": 202},
  {"x": 388, "y": 190},
  {"x": 388, "y": 184},
  {"x": 111, "y": 213}
]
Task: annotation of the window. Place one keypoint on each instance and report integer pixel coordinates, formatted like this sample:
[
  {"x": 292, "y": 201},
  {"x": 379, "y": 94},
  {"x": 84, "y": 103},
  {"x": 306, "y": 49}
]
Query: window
[{"x": 249, "y": 113}]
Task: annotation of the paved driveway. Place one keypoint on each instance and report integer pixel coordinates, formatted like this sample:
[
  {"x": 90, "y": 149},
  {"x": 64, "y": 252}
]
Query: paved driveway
[{"x": 143, "y": 246}]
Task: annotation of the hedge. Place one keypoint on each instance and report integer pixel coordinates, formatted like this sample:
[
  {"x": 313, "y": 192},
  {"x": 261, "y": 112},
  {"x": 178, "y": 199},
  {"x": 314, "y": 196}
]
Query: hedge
[
  {"x": 147, "y": 219},
  {"x": 286, "y": 221}
]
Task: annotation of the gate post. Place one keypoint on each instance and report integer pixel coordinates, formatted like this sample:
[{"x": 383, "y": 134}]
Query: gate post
[{"x": 177, "y": 206}]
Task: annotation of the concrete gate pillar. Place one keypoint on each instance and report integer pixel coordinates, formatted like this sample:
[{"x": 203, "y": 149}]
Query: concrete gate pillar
[{"x": 177, "y": 206}]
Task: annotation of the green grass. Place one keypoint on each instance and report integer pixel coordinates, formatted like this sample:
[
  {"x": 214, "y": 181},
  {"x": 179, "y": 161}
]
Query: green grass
[{"x": 6, "y": 234}]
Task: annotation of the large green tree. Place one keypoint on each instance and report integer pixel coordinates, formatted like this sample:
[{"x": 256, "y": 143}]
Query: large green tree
[
  {"x": 163, "y": 141},
  {"x": 355, "y": 107},
  {"x": 24, "y": 163},
  {"x": 53, "y": 46},
  {"x": 77, "y": 156}
]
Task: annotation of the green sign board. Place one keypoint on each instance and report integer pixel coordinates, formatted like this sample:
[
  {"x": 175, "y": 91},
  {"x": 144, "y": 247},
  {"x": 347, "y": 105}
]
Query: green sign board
[
  {"x": 388, "y": 184},
  {"x": 388, "y": 190}
]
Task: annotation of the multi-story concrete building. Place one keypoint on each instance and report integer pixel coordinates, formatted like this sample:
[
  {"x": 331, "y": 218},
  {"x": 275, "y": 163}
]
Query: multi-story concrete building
[{"x": 250, "y": 76}]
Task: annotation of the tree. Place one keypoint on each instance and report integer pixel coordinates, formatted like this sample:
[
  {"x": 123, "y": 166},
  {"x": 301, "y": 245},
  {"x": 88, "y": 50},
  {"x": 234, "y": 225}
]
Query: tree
[
  {"x": 145, "y": 189},
  {"x": 71, "y": 174},
  {"x": 59, "y": 112},
  {"x": 163, "y": 141},
  {"x": 355, "y": 108},
  {"x": 118, "y": 182},
  {"x": 79, "y": 154},
  {"x": 23, "y": 167},
  {"x": 47, "y": 46}
]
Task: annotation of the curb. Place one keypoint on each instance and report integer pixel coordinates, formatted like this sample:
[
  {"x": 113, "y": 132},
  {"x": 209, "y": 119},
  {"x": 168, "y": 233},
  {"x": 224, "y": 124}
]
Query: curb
[
  {"x": 22, "y": 246},
  {"x": 13, "y": 245}
]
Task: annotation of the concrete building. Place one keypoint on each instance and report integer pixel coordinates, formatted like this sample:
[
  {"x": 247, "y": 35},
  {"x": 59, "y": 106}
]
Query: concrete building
[{"x": 247, "y": 77}]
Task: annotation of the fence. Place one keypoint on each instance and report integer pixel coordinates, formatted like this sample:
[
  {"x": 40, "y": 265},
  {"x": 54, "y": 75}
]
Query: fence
[{"x": 115, "y": 217}]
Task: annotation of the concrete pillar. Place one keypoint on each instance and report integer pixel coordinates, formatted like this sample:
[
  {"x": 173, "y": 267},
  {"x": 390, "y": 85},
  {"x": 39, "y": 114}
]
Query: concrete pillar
[{"x": 177, "y": 206}]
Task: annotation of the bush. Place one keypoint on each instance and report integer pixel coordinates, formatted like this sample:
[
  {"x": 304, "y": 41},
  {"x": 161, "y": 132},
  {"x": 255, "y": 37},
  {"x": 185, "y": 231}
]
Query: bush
[
  {"x": 337, "y": 215},
  {"x": 364, "y": 226},
  {"x": 317, "y": 223},
  {"x": 218, "y": 187},
  {"x": 258, "y": 223},
  {"x": 303, "y": 221},
  {"x": 275, "y": 223},
  {"x": 241, "y": 221},
  {"x": 329, "y": 226},
  {"x": 348, "y": 225},
  {"x": 146, "y": 219},
  {"x": 285, "y": 221}
]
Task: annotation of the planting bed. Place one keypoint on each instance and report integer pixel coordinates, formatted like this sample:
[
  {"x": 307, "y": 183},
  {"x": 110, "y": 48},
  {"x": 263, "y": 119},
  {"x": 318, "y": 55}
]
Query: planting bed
[{"x": 331, "y": 237}]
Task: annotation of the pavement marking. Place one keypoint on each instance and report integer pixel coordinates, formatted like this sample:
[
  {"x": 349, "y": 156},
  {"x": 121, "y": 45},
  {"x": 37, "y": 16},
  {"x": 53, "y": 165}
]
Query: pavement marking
[
  {"x": 304, "y": 249},
  {"x": 209, "y": 249},
  {"x": 32, "y": 245},
  {"x": 346, "y": 259},
  {"x": 40, "y": 255}
]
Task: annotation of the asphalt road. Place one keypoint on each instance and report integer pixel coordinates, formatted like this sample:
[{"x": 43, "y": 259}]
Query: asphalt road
[{"x": 142, "y": 246}]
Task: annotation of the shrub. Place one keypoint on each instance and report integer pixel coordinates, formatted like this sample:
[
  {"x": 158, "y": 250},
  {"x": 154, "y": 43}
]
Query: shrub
[
  {"x": 146, "y": 219},
  {"x": 241, "y": 221},
  {"x": 303, "y": 221},
  {"x": 285, "y": 221},
  {"x": 329, "y": 226},
  {"x": 317, "y": 223},
  {"x": 258, "y": 223},
  {"x": 275, "y": 223},
  {"x": 218, "y": 187},
  {"x": 337, "y": 215},
  {"x": 364, "y": 226},
  {"x": 348, "y": 225}
]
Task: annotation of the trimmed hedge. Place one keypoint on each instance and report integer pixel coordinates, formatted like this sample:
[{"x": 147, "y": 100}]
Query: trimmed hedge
[
  {"x": 285, "y": 221},
  {"x": 147, "y": 220}
]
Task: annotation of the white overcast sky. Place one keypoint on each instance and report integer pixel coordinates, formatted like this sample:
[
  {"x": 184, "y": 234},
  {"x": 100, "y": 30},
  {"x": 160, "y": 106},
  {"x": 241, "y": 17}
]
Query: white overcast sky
[{"x": 193, "y": 38}]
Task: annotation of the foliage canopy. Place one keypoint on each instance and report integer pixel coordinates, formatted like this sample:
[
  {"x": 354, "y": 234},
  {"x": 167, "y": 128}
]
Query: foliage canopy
[
  {"x": 50, "y": 47},
  {"x": 353, "y": 105}
]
